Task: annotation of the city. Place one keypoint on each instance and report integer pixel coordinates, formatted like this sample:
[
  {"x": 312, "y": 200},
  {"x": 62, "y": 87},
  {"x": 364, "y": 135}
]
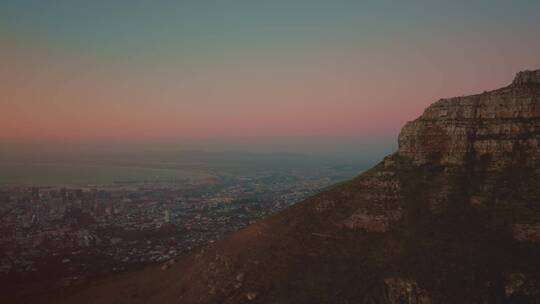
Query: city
[{"x": 53, "y": 237}]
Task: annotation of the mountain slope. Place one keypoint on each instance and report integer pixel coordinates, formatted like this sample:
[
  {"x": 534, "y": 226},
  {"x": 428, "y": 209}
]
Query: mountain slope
[{"x": 452, "y": 217}]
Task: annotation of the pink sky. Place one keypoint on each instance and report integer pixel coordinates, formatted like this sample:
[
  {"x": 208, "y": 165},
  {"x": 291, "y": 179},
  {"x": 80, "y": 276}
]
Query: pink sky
[{"x": 327, "y": 91}]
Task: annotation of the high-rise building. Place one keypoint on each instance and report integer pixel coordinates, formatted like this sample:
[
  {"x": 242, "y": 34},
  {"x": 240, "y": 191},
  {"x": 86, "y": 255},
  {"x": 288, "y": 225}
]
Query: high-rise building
[{"x": 166, "y": 216}]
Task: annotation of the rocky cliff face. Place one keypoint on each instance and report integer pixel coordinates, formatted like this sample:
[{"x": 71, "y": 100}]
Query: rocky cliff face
[
  {"x": 502, "y": 125},
  {"x": 452, "y": 217},
  {"x": 496, "y": 137}
]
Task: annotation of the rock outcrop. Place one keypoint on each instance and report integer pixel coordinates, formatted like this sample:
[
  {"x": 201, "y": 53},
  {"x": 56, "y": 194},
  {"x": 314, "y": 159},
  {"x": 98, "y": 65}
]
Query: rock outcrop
[
  {"x": 503, "y": 125},
  {"x": 452, "y": 217},
  {"x": 527, "y": 78}
]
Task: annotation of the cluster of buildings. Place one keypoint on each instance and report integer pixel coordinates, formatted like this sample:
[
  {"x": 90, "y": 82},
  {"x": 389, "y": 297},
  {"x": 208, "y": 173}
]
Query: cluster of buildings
[{"x": 74, "y": 233}]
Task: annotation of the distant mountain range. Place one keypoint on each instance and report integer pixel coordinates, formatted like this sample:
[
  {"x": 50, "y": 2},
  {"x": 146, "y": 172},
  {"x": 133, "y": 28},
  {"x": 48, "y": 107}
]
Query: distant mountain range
[{"x": 452, "y": 217}]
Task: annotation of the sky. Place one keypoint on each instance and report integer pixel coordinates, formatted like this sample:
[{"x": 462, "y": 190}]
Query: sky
[{"x": 285, "y": 75}]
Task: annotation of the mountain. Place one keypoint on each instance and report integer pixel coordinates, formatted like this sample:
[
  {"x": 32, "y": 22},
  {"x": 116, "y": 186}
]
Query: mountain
[{"x": 452, "y": 217}]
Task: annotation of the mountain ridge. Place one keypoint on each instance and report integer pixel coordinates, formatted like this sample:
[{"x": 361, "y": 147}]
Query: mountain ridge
[{"x": 453, "y": 216}]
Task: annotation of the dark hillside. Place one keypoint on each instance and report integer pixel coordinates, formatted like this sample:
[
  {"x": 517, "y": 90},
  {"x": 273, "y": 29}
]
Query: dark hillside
[{"x": 452, "y": 217}]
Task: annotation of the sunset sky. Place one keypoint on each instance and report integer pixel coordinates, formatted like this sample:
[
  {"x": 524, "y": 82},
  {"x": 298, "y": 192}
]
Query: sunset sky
[{"x": 265, "y": 73}]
